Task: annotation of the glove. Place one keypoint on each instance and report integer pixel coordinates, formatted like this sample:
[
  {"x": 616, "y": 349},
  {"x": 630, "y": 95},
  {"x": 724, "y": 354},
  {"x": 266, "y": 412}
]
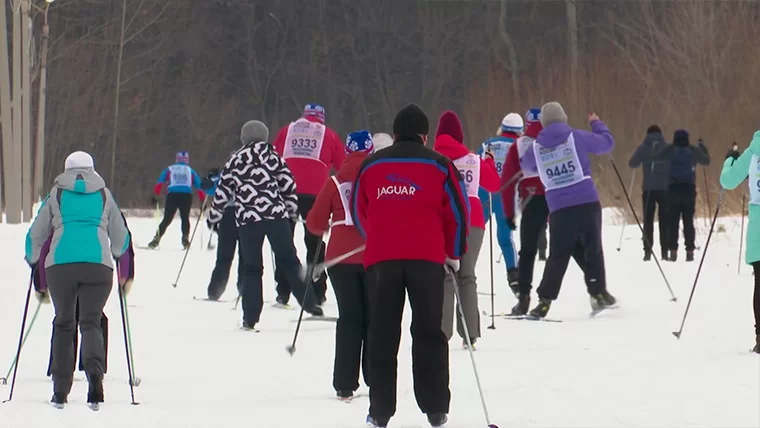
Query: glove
[
  {"x": 213, "y": 172},
  {"x": 126, "y": 286},
  {"x": 453, "y": 264},
  {"x": 202, "y": 196},
  {"x": 733, "y": 154},
  {"x": 154, "y": 199},
  {"x": 42, "y": 296},
  {"x": 511, "y": 224}
]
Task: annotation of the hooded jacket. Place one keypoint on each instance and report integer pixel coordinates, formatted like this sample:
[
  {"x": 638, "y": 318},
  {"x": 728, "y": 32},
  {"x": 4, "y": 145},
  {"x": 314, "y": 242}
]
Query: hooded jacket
[
  {"x": 656, "y": 172},
  {"x": 81, "y": 219},
  {"x": 513, "y": 178},
  {"x": 311, "y": 173},
  {"x": 257, "y": 179},
  {"x": 330, "y": 204},
  {"x": 598, "y": 141},
  {"x": 449, "y": 141},
  {"x": 682, "y": 158},
  {"x": 734, "y": 173}
]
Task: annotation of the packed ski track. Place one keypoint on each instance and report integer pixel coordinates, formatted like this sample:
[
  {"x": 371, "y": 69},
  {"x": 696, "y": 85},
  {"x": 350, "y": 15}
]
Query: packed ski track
[{"x": 621, "y": 368}]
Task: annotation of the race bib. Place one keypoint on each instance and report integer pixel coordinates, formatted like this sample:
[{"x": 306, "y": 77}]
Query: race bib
[
  {"x": 344, "y": 190},
  {"x": 469, "y": 167},
  {"x": 523, "y": 144},
  {"x": 180, "y": 175},
  {"x": 754, "y": 180},
  {"x": 304, "y": 140},
  {"x": 499, "y": 151},
  {"x": 559, "y": 166}
]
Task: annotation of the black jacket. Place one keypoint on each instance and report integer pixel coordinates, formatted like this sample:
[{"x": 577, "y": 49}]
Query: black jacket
[
  {"x": 683, "y": 158},
  {"x": 656, "y": 172}
]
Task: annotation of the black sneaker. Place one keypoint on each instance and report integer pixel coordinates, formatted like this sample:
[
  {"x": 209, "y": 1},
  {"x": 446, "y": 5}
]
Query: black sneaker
[
  {"x": 690, "y": 255},
  {"x": 541, "y": 309},
  {"x": 522, "y": 306},
  {"x": 437, "y": 419},
  {"x": 95, "y": 391}
]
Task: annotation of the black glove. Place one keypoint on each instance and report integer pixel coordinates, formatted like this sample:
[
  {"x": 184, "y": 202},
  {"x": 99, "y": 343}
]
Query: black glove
[
  {"x": 511, "y": 224},
  {"x": 733, "y": 154},
  {"x": 213, "y": 172},
  {"x": 154, "y": 199}
]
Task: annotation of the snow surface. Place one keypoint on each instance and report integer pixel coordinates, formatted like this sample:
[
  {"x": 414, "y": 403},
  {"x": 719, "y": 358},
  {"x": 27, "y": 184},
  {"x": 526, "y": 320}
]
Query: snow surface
[{"x": 621, "y": 369}]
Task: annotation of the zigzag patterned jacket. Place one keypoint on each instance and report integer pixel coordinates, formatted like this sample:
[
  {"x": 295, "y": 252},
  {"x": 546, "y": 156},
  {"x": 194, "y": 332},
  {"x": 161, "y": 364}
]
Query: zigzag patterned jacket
[{"x": 260, "y": 183}]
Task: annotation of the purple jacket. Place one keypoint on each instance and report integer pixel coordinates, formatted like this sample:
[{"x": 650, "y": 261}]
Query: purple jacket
[{"x": 598, "y": 141}]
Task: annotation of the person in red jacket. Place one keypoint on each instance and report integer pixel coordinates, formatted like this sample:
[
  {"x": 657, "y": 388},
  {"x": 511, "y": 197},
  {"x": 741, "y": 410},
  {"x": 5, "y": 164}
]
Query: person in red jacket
[
  {"x": 349, "y": 279},
  {"x": 409, "y": 203},
  {"x": 476, "y": 172},
  {"x": 535, "y": 211},
  {"x": 310, "y": 149}
]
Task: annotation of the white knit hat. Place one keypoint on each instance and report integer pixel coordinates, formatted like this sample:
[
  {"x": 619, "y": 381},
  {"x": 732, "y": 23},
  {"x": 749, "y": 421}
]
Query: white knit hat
[
  {"x": 79, "y": 160},
  {"x": 512, "y": 122},
  {"x": 382, "y": 140}
]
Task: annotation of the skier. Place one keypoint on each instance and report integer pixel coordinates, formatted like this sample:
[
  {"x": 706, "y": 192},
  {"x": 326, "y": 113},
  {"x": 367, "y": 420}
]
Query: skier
[
  {"x": 181, "y": 180},
  {"x": 409, "y": 203},
  {"x": 264, "y": 191},
  {"x": 227, "y": 242},
  {"x": 509, "y": 131},
  {"x": 682, "y": 159},
  {"x": 87, "y": 231},
  {"x": 535, "y": 211},
  {"x": 560, "y": 156},
  {"x": 349, "y": 279},
  {"x": 654, "y": 189},
  {"x": 735, "y": 169},
  {"x": 477, "y": 174}
]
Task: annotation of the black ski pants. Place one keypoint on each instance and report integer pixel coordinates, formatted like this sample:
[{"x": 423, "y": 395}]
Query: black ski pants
[
  {"x": 225, "y": 254},
  {"x": 305, "y": 202},
  {"x": 351, "y": 289},
  {"x": 103, "y": 327},
  {"x": 389, "y": 283},
  {"x": 281, "y": 240},
  {"x": 181, "y": 202},
  {"x": 653, "y": 200},
  {"x": 576, "y": 232},
  {"x": 683, "y": 199},
  {"x": 532, "y": 226},
  {"x": 756, "y": 268}
]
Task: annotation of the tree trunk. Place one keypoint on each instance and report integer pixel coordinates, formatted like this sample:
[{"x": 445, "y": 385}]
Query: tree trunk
[
  {"x": 13, "y": 211},
  {"x": 6, "y": 171},
  {"x": 112, "y": 184},
  {"x": 39, "y": 160},
  {"x": 26, "y": 114},
  {"x": 572, "y": 49}
]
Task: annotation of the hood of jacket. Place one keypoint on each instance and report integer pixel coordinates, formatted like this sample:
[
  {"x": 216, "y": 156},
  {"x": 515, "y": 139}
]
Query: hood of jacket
[
  {"x": 80, "y": 180},
  {"x": 262, "y": 150},
  {"x": 350, "y": 167},
  {"x": 654, "y": 138},
  {"x": 450, "y": 125},
  {"x": 554, "y": 134},
  {"x": 449, "y": 147}
]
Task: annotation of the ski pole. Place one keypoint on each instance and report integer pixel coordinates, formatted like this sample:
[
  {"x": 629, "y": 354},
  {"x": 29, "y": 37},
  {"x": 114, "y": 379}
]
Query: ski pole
[
  {"x": 187, "y": 250},
  {"x": 625, "y": 219},
  {"x": 125, "y": 328},
  {"x": 136, "y": 380},
  {"x": 741, "y": 241},
  {"x": 490, "y": 262},
  {"x": 321, "y": 267},
  {"x": 4, "y": 380},
  {"x": 309, "y": 274},
  {"x": 21, "y": 337},
  {"x": 646, "y": 240},
  {"x": 677, "y": 334}
]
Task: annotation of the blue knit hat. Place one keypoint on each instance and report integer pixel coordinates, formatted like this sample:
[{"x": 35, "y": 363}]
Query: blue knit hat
[
  {"x": 533, "y": 115},
  {"x": 359, "y": 141},
  {"x": 315, "y": 110},
  {"x": 182, "y": 157}
]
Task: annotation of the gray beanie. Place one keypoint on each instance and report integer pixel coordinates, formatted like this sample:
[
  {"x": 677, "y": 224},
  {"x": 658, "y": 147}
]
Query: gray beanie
[
  {"x": 552, "y": 113},
  {"x": 254, "y": 131}
]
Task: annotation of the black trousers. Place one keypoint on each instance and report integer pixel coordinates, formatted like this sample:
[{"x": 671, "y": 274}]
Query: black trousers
[
  {"x": 532, "y": 227},
  {"x": 305, "y": 202},
  {"x": 682, "y": 204},
  {"x": 181, "y": 202},
  {"x": 280, "y": 239},
  {"x": 653, "y": 200},
  {"x": 756, "y": 267},
  {"x": 103, "y": 326},
  {"x": 542, "y": 242},
  {"x": 576, "y": 232},
  {"x": 349, "y": 282},
  {"x": 225, "y": 254},
  {"x": 389, "y": 282}
]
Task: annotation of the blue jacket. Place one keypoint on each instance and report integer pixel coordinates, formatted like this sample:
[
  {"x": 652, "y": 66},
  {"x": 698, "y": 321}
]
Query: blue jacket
[
  {"x": 499, "y": 146},
  {"x": 180, "y": 178},
  {"x": 84, "y": 220}
]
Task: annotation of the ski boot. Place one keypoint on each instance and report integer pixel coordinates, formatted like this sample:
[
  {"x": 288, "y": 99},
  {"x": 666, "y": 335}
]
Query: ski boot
[
  {"x": 522, "y": 306},
  {"x": 673, "y": 255},
  {"x": 377, "y": 422},
  {"x": 345, "y": 394},
  {"x": 185, "y": 242},
  {"x": 156, "y": 240},
  {"x": 602, "y": 301},
  {"x": 437, "y": 419},
  {"x": 58, "y": 400},
  {"x": 95, "y": 391},
  {"x": 248, "y": 326},
  {"x": 756, "y": 349},
  {"x": 689, "y": 255},
  {"x": 472, "y": 341},
  {"x": 541, "y": 309},
  {"x": 664, "y": 256},
  {"x": 513, "y": 279},
  {"x": 647, "y": 256},
  {"x": 315, "y": 311}
]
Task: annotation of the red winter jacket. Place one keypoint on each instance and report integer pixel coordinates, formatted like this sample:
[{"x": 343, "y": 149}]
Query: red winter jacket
[
  {"x": 311, "y": 174},
  {"x": 449, "y": 142},
  {"x": 343, "y": 238},
  {"x": 512, "y": 174},
  {"x": 409, "y": 203}
]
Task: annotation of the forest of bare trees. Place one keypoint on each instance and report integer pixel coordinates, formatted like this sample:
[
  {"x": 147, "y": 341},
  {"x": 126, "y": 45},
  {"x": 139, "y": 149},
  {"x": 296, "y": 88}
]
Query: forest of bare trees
[{"x": 134, "y": 81}]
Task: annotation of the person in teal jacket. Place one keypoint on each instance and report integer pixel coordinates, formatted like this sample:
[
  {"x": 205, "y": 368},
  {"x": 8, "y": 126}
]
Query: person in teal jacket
[
  {"x": 88, "y": 232},
  {"x": 735, "y": 169}
]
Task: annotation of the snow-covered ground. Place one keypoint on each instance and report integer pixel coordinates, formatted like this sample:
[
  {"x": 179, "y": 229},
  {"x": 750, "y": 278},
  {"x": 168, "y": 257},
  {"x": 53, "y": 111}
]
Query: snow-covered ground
[{"x": 621, "y": 369}]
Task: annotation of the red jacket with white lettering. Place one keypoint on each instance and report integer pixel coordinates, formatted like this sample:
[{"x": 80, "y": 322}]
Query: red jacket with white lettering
[
  {"x": 343, "y": 238},
  {"x": 511, "y": 173},
  {"x": 409, "y": 203},
  {"x": 311, "y": 174},
  {"x": 449, "y": 142}
]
